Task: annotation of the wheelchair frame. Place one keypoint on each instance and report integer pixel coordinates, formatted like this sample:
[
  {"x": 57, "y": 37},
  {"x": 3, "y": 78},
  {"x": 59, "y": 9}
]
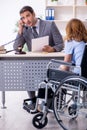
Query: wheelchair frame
[
  {"x": 70, "y": 95},
  {"x": 68, "y": 102}
]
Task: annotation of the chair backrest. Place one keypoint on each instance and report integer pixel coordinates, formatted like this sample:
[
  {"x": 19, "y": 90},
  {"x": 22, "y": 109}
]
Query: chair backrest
[{"x": 84, "y": 63}]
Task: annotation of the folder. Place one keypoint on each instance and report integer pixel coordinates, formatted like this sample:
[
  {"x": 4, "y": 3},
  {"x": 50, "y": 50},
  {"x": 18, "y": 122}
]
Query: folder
[
  {"x": 52, "y": 14},
  {"x": 49, "y": 14}
]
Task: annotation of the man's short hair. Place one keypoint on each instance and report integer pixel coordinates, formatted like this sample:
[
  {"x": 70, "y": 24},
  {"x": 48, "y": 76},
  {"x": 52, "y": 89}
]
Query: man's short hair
[{"x": 27, "y": 8}]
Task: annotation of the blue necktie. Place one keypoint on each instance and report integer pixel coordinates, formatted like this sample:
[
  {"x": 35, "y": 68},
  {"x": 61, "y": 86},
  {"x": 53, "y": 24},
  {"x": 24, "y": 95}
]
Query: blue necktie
[{"x": 35, "y": 34}]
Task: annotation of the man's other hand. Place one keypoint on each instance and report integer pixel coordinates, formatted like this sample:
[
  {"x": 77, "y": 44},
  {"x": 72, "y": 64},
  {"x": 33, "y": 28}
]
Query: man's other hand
[{"x": 48, "y": 48}]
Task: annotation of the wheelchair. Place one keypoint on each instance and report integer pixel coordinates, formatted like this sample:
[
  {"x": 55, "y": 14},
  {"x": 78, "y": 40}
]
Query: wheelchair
[{"x": 68, "y": 94}]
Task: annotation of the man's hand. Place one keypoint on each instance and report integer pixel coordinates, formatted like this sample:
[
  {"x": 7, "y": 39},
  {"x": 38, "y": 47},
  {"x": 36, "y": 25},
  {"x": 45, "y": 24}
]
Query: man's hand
[
  {"x": 48, "y": 48},
  {"x": 20, "y": 25}
]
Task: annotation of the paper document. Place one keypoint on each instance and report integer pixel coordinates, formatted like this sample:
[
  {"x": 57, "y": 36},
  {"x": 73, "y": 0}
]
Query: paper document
[{"x": 39, "y": 43}]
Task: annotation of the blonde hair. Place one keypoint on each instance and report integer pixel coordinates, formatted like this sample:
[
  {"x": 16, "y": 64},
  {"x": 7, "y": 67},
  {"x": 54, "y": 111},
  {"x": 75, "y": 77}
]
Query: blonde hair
[{"x": 75, "y": 30}]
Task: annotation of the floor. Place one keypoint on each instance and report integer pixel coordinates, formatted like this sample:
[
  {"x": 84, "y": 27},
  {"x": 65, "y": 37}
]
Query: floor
[{"x": 14, "y": 117}]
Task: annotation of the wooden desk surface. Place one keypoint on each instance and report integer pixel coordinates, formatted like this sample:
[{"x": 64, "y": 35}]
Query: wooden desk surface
[{"x": 34, "y": 54}]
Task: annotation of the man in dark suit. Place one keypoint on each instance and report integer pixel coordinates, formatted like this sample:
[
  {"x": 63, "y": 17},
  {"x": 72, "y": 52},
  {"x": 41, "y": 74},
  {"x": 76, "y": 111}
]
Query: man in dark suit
[{"x": 26, "y": 33}]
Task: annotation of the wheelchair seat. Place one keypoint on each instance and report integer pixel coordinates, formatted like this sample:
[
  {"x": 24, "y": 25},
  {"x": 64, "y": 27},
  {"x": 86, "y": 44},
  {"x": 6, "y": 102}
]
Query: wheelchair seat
[{"x": 58, "y": 75}]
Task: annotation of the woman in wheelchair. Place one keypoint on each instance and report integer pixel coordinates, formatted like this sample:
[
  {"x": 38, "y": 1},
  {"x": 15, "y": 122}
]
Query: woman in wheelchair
[
  {"x": 76, "y": 38},
  {"x": 76, "y": 98}
]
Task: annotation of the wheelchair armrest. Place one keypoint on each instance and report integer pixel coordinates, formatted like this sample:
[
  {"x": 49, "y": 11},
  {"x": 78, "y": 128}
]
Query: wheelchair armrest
[
  {"x": 62, "y": 62},
  {"x": 57, "y": 63}
]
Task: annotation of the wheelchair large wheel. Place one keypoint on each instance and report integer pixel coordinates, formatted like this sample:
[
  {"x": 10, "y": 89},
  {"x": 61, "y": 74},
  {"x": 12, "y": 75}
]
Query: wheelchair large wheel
[
  {"x": 69, "y": 107},
  {"x": 38, "y": 122}
]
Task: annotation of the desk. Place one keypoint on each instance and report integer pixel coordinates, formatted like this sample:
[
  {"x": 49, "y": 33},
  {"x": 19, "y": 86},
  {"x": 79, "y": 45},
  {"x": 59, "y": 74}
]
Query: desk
[{"x": 24, "y": 72}]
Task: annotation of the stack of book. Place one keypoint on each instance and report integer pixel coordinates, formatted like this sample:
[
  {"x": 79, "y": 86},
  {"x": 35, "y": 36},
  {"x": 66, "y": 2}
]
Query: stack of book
[{"x": 2, "y": 50}]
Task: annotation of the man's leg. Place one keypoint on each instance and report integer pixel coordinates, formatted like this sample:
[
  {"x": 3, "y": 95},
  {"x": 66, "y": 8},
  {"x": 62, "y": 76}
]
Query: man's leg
[
  {"x": 31, "y": 94},
  {"x": 31, "y": 101}
]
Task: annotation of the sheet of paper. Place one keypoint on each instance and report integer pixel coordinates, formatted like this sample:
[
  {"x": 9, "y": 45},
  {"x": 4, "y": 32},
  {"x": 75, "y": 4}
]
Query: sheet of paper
[{"x": 39, "y": 43}]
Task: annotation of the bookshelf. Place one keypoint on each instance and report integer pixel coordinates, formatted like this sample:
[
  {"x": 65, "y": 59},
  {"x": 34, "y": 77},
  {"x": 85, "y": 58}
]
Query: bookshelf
[{"x": 64, "y": 10}]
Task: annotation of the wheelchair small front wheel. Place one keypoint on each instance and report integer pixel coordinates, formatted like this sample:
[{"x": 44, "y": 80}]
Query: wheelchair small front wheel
[{"x": 37, "y": 121}]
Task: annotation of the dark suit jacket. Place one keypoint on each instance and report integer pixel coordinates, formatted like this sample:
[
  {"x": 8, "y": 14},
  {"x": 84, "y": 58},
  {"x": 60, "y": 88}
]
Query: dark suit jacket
[{"x": 46, "y": 28}]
